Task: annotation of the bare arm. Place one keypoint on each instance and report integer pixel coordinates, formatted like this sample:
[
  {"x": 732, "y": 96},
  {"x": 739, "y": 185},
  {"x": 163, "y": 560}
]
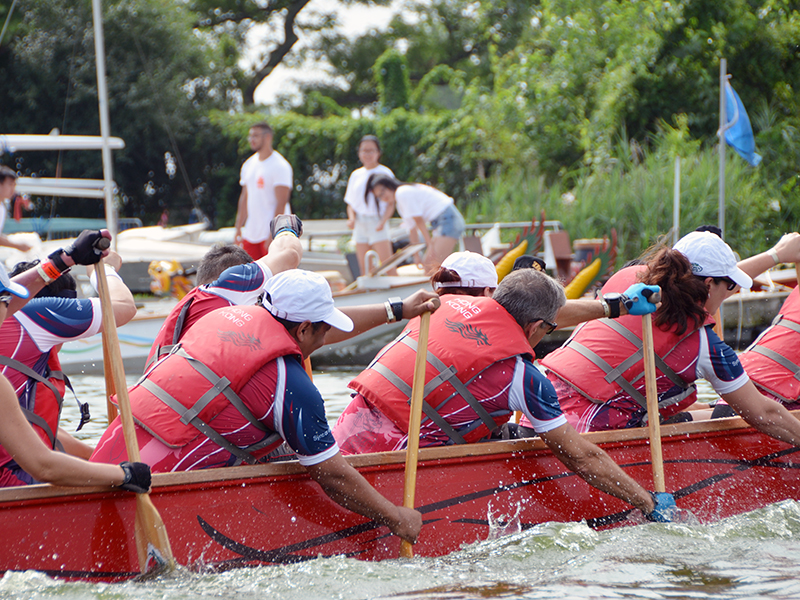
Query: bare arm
[
  {"x": 241, "y": 214},
  {"x": 351, "y": 217},
  {"x": 73, "y": 446},
  {"x": 371, "y": 315},
  {"x": 28, "y": 450},
  {"x": 285, "y": 253},
  {"x": 766, "y": 415},
  {"x": 578, "y": 311},
  {"x": 348, "y": 488},
  {"x": 595, "y": 467},
  {"x": 5, "y": 241},
  {"x": 387, "y": 214},
  {"x": 423, "y": 228},
  {"x": 121, "y": 297},
  {"x": 282, "y": 193},
  {"x": 787, "y": 249}
]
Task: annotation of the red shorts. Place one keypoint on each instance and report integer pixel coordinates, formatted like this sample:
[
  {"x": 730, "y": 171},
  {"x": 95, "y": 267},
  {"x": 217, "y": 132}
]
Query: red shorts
[{"x": 255, "y": 251}]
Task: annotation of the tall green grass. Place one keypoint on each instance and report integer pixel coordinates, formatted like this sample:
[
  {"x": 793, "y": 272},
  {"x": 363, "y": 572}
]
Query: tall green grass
[{"x": 635, "y": 197}]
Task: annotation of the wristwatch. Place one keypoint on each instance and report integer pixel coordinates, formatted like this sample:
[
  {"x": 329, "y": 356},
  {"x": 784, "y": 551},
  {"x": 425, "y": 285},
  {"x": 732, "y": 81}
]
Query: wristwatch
[
  {"x": 397, "y": 308},
  {"x": 612, "y": 302}
]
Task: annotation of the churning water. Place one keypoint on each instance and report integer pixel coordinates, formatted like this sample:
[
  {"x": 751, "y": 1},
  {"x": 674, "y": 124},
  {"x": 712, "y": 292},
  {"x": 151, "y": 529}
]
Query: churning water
[{"x": 756, "y": 555}]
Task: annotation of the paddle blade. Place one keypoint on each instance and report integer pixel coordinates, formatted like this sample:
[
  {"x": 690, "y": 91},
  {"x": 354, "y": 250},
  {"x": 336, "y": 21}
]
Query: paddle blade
[{"x": 152, "y": 543}]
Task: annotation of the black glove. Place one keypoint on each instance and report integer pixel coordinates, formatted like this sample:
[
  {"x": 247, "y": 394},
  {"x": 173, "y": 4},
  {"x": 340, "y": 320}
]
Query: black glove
[
  {"x": 286, "y": 222},
  {"x": 137, "y": 477},
  {"x": 86, "y": 250}
]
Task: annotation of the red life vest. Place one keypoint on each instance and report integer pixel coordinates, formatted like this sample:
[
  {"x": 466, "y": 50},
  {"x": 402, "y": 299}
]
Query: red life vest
[
  {"x": 467, "y": 335},
  {"x": 194, "y": 305},
  {"x": 41, "y": 399},
  {"x": 604, "y": 357},
  {"x": 180, "y": 395},
  {"x": 771, "y": 360}
]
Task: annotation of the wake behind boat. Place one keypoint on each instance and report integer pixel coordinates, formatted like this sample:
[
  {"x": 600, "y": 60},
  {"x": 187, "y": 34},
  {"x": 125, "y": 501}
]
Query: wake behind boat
[{"x": 275, "y": 514}]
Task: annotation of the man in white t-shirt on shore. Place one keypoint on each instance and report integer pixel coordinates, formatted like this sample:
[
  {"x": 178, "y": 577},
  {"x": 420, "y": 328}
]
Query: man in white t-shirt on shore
[{"x": 266, "y": 180}]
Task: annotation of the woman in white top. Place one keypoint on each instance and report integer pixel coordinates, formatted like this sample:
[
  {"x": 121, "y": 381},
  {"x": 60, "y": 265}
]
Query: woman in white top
[
  {"x": 366, "y": 215},
  {"x": 419, "y": 205}
]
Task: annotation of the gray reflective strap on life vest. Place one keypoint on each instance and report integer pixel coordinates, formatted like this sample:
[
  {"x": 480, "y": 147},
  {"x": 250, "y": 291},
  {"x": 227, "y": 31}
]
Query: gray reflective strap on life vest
[
  {"x": 197, "y": 423},
  {"x": 176, "y": 334},
  {"x": 606, "y": 368},
  {"x": 189, "y": 416},
  {"x": 219, "y": 385},
  {"x": 634, "y": 339},
  {"x": 32, "y": 417},
  {"x": 450, "y": 375},
  {"x": 778, "y": 358},
  {"x": 37, "y": 420},
  {"x": 434, "y": 416}
]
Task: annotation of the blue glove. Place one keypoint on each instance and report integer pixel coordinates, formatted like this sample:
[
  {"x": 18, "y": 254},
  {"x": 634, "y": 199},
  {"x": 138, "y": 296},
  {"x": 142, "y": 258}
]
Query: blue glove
[
  {"x": 664, "y": 510},
  {"x": 636, "y": 299}
]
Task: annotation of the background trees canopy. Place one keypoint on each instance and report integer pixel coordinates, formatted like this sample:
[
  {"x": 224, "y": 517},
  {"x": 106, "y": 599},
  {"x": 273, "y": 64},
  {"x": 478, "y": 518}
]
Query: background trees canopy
[{"x": 577, "y": 107}]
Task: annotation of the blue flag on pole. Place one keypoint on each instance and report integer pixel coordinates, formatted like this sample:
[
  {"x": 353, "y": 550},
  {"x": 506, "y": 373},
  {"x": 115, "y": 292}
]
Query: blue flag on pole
[{"x": 739, "y": 135}]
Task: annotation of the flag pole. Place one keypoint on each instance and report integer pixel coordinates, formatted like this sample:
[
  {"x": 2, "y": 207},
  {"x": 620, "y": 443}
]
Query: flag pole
[
  {"x": 676, "y": 203},
  {"x": 723, "y": 77}
]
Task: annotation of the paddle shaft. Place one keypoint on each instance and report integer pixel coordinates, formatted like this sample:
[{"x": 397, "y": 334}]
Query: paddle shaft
[
  {"x": 414, "y": 420},
  {"x": 653, "y": 414},
  {"x": 151, "y": 535}
]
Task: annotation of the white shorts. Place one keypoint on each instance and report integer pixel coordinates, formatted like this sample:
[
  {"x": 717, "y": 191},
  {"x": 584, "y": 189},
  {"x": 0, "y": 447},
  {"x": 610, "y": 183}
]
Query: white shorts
[{"x": 364, "y": 232}]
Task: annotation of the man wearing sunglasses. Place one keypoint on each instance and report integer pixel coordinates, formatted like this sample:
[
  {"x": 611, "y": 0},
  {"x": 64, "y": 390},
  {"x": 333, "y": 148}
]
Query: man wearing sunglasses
[{"x": 480, "y": 370}]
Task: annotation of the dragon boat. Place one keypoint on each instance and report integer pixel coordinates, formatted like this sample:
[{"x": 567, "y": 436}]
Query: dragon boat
[{"x": 220, "y": 519}]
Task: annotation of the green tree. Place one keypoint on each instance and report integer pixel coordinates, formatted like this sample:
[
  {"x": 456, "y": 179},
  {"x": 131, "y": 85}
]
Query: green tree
[{"x": 161, "y": 79}]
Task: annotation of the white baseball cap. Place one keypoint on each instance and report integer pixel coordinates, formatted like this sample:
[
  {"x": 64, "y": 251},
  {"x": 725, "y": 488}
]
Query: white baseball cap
[
  {"x": 7, "y": 285},
  {"x": 298, "y": 295},
  {"x": 712, "y": 257},
  {"x": 476, "y": 271}
]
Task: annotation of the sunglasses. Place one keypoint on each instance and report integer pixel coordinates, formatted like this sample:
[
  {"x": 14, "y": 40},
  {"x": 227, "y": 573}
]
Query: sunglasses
[
  {"x": 729, "y": 282},
  {"x": 551, "y": 327}
]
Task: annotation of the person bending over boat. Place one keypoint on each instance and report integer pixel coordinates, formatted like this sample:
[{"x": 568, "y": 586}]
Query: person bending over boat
[
  {"x": 480, "y": 352},
  {"x": 251, "y": 357},
  {"x": 598, "y": 372},
  {"x": 228, "y": 277},
  {"x": 419, "y": 205},
  {"x": 22, "y": 446},
  {"x": 367, "y": 216}
]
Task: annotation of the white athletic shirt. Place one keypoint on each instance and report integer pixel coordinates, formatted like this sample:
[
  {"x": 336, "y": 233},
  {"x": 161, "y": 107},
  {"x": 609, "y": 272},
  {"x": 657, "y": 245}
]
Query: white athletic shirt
[
  {"x": 418, "y": 200},
  {"x": 260, "y": 178},
  {"x": 357, "y": 185}
]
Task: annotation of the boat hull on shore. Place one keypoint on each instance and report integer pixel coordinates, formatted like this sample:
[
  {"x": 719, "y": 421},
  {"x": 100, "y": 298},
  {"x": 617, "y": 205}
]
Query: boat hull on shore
[{"x": 274, "y": 514}]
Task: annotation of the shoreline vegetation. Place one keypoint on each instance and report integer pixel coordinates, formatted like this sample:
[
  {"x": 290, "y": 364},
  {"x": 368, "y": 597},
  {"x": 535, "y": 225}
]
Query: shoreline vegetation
[{"x": 577, "y": 108}]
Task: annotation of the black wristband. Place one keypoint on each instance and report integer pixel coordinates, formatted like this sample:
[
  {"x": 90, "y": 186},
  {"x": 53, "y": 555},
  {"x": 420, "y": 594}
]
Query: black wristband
[
  {"x": 397, "y": 308},
  {"x": 56, "y": 259},
  {"x": 613, "y": 301}
]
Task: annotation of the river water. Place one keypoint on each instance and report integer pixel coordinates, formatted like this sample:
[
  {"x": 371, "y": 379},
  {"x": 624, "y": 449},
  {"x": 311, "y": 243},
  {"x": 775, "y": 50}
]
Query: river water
[{"x": 756, "y": 555}]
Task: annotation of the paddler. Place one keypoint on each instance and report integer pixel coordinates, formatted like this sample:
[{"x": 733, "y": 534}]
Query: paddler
[
  {"x": 481, "y": 351},
  {"x": 24, "y": 457},
  {"x": 597, "y": 373},
  {"x": 228, "y": 277},
  {"x": 236, "y": 389}
]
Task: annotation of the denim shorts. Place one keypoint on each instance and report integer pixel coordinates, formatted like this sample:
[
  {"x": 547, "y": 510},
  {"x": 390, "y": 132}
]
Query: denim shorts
[
  {"x": 449, "y": 223},
  {"x": 364, "y": 231}
]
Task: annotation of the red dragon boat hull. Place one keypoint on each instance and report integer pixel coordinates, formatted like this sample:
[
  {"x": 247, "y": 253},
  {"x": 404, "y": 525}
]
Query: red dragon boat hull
[{"x": 272, "y": 514}]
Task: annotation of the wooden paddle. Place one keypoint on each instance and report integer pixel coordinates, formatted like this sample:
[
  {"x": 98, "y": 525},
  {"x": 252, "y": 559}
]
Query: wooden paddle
[
  {"x": 653, "y": 415},
  {"x": 111, "y": 409},
  {"x": 152, "y": 543},
  {"x": 414, "y": 420}
]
